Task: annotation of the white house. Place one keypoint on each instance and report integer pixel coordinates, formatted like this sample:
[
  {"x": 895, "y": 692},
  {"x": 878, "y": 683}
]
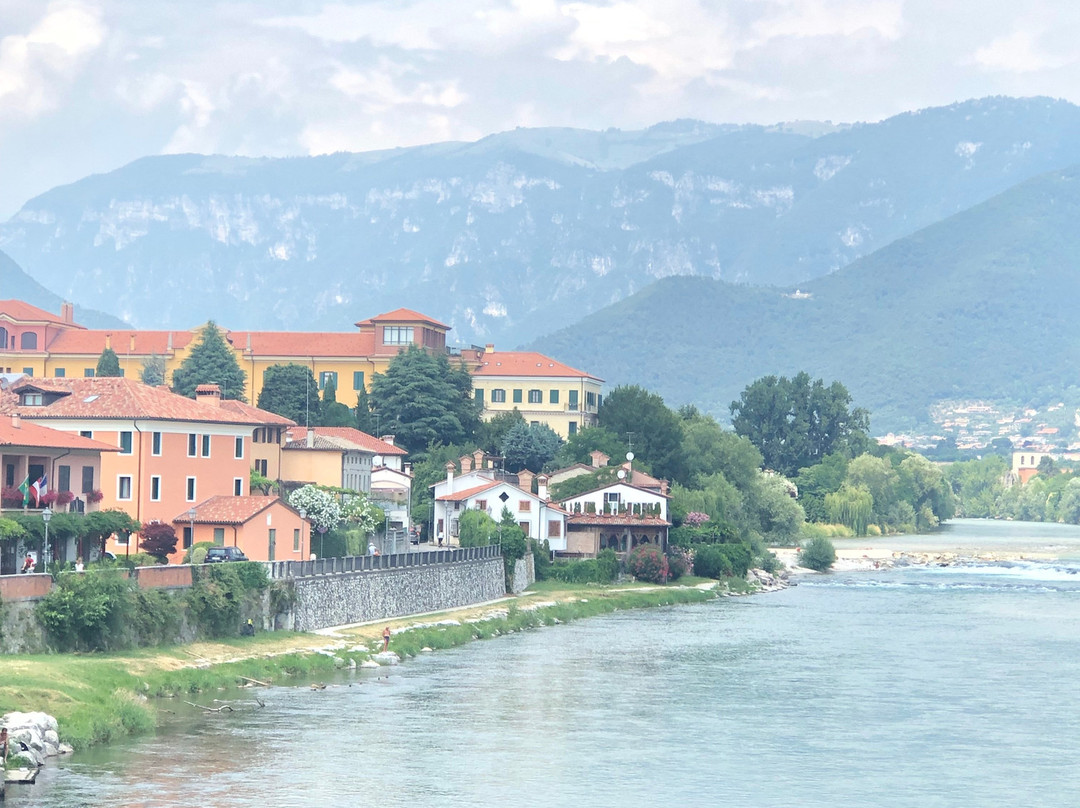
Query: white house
[
  {"x": 619, "y": 516},
  {"x": 488, "y": 491}
]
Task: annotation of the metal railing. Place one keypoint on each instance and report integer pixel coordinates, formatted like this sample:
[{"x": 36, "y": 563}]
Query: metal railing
[{"x": 371, "y": 563}]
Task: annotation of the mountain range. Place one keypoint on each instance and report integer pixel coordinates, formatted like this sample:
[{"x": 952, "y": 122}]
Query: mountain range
[
  {"x": 521, "y": 233},
  {"x": 981, "y": 305}
]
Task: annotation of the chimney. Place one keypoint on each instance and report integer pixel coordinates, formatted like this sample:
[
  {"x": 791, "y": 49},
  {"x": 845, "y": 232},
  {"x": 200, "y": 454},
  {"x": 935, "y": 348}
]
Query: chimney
[
  {"x": 388, "y": 439},
  {"x": 599, "y": 459},
  {"x": 478, "y": 459},
  {"x": 208, "y": 394},
  {"x": 525, "y": 480},
  {"x": 489, "y": 348},
  {"x": 450, "y": 478},
  {"x": 541, "y": 487},
  {"x": 169, "y": 347},
  {"x": 67, "y": 312},
  {"x": 310, "y": 438},
  {"x": 108, "y": 340},
  {"x": 466, "y": 463},
  {"x": 15, "y": 420},
  {"x": 131, "y": 343}
]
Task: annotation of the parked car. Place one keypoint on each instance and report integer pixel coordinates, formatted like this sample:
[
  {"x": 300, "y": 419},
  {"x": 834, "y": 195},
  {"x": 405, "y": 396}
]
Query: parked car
[{"x": 216, "y": 555}]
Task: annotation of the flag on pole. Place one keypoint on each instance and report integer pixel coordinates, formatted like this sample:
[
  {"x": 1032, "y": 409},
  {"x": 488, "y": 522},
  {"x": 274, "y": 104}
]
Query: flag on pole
[
  {"x": 41, "y": 488},
  {"x": 24, "y": 487}
]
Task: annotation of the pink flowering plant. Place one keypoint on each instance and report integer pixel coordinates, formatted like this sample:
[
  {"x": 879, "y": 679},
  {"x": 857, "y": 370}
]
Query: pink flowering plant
[{"x": 696, "y": 518}]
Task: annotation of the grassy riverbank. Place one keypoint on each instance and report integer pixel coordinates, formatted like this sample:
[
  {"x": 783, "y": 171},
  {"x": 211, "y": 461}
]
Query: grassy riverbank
[{"x": 96, "y": 697}]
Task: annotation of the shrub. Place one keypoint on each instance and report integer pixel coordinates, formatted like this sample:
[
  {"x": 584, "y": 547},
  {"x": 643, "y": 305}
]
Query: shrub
[
  {"x": 678, "y": 563},
  {"x": 600, "y": 570},
  {"x": 770, "y": 563},
  {"x": 217, "y": 592},
  {"x": 196, "y": 553},
  {"x": 711, "y": 562},
  {"x": 817, "y": 554},
  {"x": 158, "y": 539},
  {"x": 541, "y": 552},
  {"x": 87, "y": 612},
  {"x": 647, "y": 562}
]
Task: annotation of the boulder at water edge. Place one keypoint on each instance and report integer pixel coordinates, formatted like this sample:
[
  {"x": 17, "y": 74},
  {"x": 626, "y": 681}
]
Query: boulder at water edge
[{"x": 38, "y": 731}]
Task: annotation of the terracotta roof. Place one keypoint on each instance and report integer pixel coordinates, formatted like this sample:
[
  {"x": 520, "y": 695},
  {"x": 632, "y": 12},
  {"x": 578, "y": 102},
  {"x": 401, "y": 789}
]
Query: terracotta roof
[
  {"x": 302, "y": 344},
  {"x": 36, "y": 436},
  {"x": 264, "y": 416},
  {"x": 92, "y": 343},
  {"x": 469, "y": 492},
  {"x": 22, "y": 311},
  {"x": 525, "y": 363},
  {"x": 226, "y": 510},
  {"x": 625, "y": 519},
  {"x": 402, "y": 316},
  {"x": 116, "y": 397},
  {"x": 341, "y": 437}
]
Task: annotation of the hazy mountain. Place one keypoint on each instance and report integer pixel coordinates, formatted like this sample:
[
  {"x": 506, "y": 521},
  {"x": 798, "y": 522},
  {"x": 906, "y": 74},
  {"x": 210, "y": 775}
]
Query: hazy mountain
[
  {"x": 15, "y": 283},
  {"x": 523, "y": 232},
  {"x": 981, "y": 305}
]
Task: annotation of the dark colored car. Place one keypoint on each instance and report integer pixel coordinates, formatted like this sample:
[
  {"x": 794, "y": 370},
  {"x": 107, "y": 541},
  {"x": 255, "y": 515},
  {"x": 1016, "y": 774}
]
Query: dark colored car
[{"x": 216, "y": 555}]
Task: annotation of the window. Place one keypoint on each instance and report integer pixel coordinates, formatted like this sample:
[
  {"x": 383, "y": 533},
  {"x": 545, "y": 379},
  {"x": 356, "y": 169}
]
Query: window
[
  {"x": 481, "y": 504},
  {"x": 261, "y": 466},
  {"x": 553, "y": 397},
  {"x": 536, "y": 396},
  {"x": 87, "y": 479},
  {"x": 572, "y": 429},
  {"x": 296, "y": 540},
  {"x": 125, "y": 442},
  {"x": 590, "y": 400},
  {"x": 524, "y": 505},
  {"x": 28, "y": 371},
  {"x": 238, "y": 447},
  {"x": 397, "y": 335},
  {"x": 219, "y": 536},
  {"x": 155, "y": 488},
  {"x": 478, "y": 394},
  {"x": 32, "y": 399},
  {"x": 155, "y": 444},
  {"x": 327, "y": 376},
  {"x": 205, "y": 445},
  {"x": 122, "y": 537},
  {"x": 554, "y": 528},
  {"x": 534, "y": 423},
  {"x": 517, "y": 396},
  {"x": 498, "y": 396},
  {"x": 60, "y": 372},
  {"x": 358, "y": 380},
  {"x": 573, "y": 402},
  {"x": 190, "y": 489},
  {"x": 28, "y": 341},
  {"x": 187, "y": 537},
  {"x": 192, "y": 442},
  {"x": 86, "y": 433},
  {"x": 123, "y": 487},
  {"x": 238, "y": 486},
  {"x": 63, "y": 478},
  {"x": 88, "y": 372}
]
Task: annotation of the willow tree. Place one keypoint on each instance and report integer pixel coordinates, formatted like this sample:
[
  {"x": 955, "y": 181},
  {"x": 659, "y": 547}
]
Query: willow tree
[{"x": 851, "y": 506}]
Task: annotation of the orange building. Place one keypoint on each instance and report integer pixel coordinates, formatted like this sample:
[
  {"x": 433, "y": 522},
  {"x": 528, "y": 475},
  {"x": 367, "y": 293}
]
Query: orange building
[
  {"x": 173, "y": 452},
  {"x": 264, "y": 528}
]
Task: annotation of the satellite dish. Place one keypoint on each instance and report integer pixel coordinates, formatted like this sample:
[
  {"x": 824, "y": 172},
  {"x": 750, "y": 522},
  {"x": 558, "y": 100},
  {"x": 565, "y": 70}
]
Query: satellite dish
[
  {"x": 629, "y": 455},
  {"x": 622, "y": 474}
]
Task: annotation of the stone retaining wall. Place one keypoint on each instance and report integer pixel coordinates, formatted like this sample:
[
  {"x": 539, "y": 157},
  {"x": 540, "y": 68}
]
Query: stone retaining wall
[{"x": 337, "y": 600}]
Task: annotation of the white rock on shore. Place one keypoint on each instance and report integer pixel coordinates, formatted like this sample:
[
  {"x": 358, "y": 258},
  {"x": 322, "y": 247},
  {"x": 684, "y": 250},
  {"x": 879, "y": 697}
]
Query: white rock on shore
[{"x": 37, "y": 732}]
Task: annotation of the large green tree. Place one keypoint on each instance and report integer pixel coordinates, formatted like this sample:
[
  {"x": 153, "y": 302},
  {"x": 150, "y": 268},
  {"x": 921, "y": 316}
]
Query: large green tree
[
  {"x": 108, "y": 364},
  {"x": 332, "y": 412},
  {"x": 796, "y": 422},
  {"x": 423, "y": 399},
  {"x": 211, "y": 361},
  {"x": 655, "y": 432},
  {"x": 491, "y": 434},
  {"x": 364, "y": 420},
  {"x": 290, "y": 390},
  {"x": 709, "y": 448},
  {"x": 529, "y": 446}
]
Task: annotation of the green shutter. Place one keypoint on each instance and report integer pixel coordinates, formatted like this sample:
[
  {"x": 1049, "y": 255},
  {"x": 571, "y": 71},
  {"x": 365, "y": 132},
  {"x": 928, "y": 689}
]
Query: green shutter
[
  {"x": 553, "y": 397},
  {"x": 358, "y": 380},
  {"x": 480, "y": 394},
  {"x": 517, "y": 396}
]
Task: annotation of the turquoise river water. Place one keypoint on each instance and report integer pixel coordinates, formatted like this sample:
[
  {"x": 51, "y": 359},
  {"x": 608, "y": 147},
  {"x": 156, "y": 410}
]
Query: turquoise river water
[{"x": 907, "y": 687}]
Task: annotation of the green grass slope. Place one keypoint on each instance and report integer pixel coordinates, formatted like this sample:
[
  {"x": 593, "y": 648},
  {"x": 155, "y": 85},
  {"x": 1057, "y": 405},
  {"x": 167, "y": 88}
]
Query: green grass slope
[{"x": 982, "y": 304}]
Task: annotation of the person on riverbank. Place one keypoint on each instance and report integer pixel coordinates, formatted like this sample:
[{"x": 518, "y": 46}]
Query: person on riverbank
[
  {"x": 249, "y": 629},
  {"x": 386, "y": 639},
  {"x": 3, "y": 747}
]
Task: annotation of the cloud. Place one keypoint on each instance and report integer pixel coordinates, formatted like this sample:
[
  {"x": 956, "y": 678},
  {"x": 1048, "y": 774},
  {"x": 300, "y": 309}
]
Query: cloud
[
  {"x": 1017, "y": 52},
  {"x": 36, "y": 66}
]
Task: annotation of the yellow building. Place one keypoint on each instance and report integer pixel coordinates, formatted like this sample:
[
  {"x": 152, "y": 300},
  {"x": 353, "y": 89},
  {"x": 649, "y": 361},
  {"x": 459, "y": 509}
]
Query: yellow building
[
  {"x": 38, "y": 343},
  {"x": 543, "y": 390}
]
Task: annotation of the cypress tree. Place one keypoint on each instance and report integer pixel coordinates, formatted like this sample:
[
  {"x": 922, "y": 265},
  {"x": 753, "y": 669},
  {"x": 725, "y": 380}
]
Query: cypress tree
[{"x": 211, "y": 361}]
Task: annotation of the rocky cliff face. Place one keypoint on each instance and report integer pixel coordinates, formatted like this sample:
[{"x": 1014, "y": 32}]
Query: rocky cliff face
[{"x": 520, "y": 233}]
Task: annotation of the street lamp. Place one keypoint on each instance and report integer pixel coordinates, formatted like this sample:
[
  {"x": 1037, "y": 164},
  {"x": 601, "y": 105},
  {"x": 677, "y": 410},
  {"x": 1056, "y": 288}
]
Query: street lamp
[
  {"x": 46, "y": 515},
  {"x": 191, "y": 528}
]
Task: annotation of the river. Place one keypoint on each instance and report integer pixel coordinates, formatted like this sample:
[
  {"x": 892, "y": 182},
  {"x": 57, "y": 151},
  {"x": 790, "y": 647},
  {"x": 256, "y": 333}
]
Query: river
[{"x": 907, "y": 687}]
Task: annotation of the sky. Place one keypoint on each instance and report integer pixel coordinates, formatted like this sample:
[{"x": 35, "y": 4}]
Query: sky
[{"x": 87, "y": 86}]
